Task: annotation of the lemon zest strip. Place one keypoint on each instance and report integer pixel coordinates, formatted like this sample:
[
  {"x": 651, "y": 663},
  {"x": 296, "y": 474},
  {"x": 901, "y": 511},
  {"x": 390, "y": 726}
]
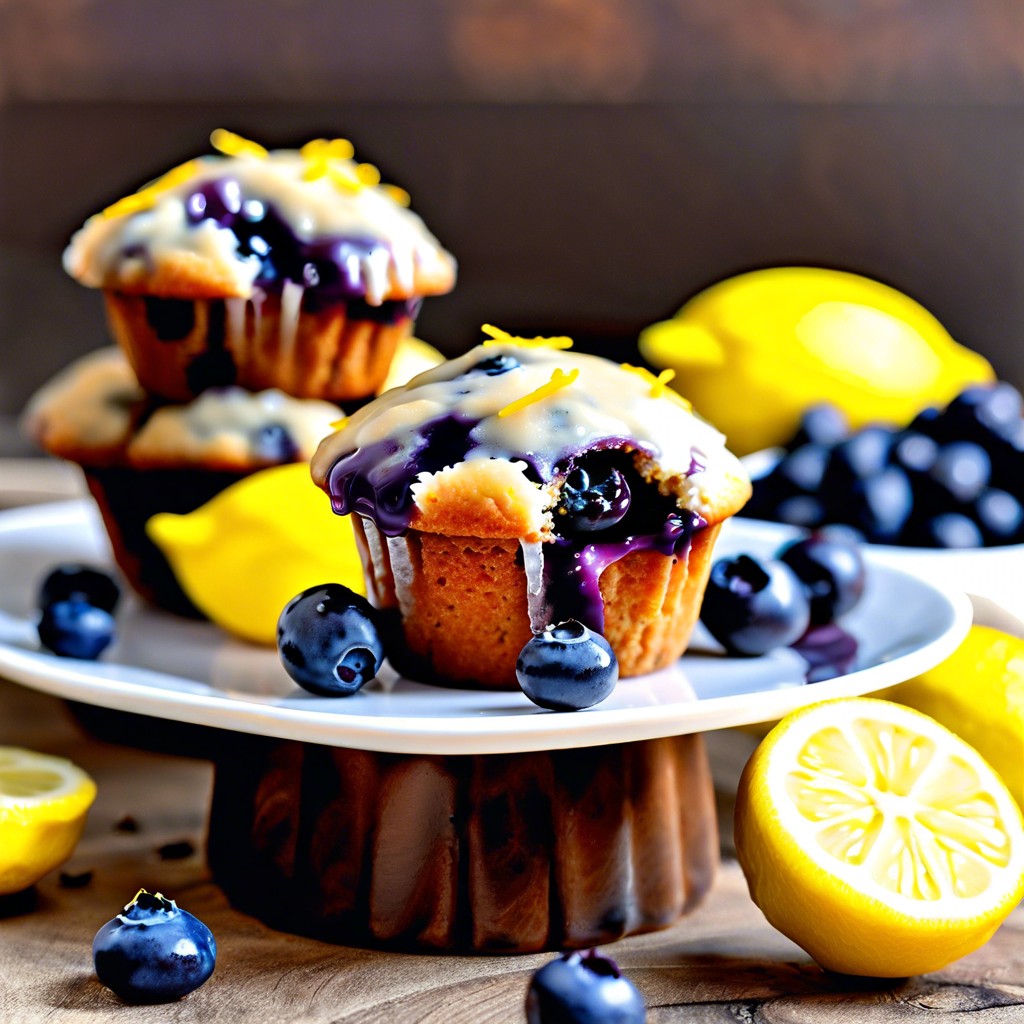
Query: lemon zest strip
[
  {"x": 398, "y": 195},
  {"x": 500, "y": 337},
  {"x": 559, "y": 379},
  {"x": 659, "y": 384},
  {"x": 340, "y": 424},
  {"x": 231, "y": 144}
]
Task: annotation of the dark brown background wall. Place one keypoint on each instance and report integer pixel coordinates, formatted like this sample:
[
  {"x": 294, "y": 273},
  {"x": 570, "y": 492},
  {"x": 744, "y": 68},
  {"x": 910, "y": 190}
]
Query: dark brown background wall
[{"x": 591, "y": 162}]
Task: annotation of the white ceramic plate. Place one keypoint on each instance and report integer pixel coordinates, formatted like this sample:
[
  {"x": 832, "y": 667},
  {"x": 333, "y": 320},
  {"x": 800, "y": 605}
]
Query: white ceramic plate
[
  {"x": 994, "y": 574},
  {"x": 172, "y": 668}
]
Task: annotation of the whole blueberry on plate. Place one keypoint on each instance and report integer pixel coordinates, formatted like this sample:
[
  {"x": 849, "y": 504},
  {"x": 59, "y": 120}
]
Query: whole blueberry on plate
[
  {"x": 963, "y": 469},
  {"x": 1000, "y": 516},
  {"x": 983, "y": 411},
  {"x": 583, "y": 988},
  {"x": 328, "y": 640},
  {"x": 153, "y": 952},
  {"x": 72, "y": 579},
  {"x": 881, "y": 505},
  {"x": 751, "y": 606},
  {"x": 822, "y": 424},
  {"x": 832, "y": 572},
  {"x": 567, "y": 667},
  {"x": 76, "y": 629}
]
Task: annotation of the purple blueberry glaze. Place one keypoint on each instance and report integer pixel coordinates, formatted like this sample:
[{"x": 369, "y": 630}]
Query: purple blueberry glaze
[
  {"x": 329, "y": 268},
  {"x": 829, "y": 652},
  {"x": 375, "y": 481}
]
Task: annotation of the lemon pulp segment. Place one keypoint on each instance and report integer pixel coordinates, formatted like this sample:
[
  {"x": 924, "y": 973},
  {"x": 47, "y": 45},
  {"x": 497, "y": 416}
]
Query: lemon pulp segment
[
  {"x": 876, "y": 839},
  {"x": 43, "y": 804}
]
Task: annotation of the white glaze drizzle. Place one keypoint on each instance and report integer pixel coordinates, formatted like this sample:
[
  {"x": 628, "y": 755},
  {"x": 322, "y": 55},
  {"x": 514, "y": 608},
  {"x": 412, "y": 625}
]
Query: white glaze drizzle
[
  {"x": 604, "y": 401},
  {"x": 313, "y": 208}
]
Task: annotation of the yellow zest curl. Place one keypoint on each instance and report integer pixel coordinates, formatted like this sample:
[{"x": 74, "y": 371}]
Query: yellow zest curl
[
  {"x": 146, "y": 196},
  {"x": 500, "y": 337},
  {"x": 340, "y": 424},
  {"x": 659, "y": 384},
  {"x": 231, "y": 144},
  {"x": 559, "y": 379},
  {"x": 399, "y": 195},
  {"x": 368, "y": 174}
]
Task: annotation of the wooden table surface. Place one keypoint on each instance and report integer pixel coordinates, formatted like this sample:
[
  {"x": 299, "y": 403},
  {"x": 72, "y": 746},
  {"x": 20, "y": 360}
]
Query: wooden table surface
[{"x": 724, "y": 963}]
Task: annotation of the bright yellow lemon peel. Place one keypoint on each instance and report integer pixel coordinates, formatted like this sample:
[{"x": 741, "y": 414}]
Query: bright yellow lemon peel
[
  {"x": 146, "y": 196},
  {"x": 499, "y": 337},
  {"x": 231, "y": 144},
  {"x": 340, "y": 424},
  {"x": 559, "y": 379}
]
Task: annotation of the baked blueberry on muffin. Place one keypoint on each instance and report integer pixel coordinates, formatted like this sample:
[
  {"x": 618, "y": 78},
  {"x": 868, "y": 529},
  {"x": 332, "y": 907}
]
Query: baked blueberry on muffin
[
  {"x": 140, "y": 457},
  {"x": 521, "y": 485},
  {"x": 290, "y": 269}
]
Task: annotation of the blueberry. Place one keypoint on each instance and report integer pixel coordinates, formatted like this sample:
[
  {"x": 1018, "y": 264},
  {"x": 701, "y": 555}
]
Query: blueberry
[
  {"x": 801, "y": 510},
  {"x": 805, "y": 466},
  {"x": 983, "y": 411},
  {"x": 594, "y": 496},
  {"x": 583, "y": 988},
  {"x": 496, "y": 365},
  {"x": 881, "y": 505},
  {"x": 274, "y": 443},
  {"x": 952, "y": 530},
  {"x": 915, "y": 452},
  {"x": 863, "y": 455},
  {"x": 752, "y": 606},
  {"x": 76, "y": 629},
  {"x": 153, "y": 952},
  {"x": 831, "y": 571},
  {"x": 567, "y": 667},
  {"x": 821, "y": 424},
  {"x": 999, "y": 515},
  {"x": 928, "y": 422},
  {"x": 963, "y": 469},
  {"x": 328, "y": 640},
  {"x": 75, "y": 580}
]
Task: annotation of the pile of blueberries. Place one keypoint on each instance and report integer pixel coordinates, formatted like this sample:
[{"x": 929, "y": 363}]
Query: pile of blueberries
[
  {"x": 77, "y": 604},
  {"x": 954, "y": 478},
  {"x": 330, "y": 642},
  {"x": 754, "y": 605}
]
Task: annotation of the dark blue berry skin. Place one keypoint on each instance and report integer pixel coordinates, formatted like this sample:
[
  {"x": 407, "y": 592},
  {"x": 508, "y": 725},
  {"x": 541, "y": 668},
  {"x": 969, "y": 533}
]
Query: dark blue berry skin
[
  {"x": 328, "y": 640},
  {"x": 594, "y": 496},
  {"x": 823, "y": 424},
  {"x": 273, "y": 443},
  {"x": 82, "y": 581},
  {"x": 153, "y": 952},
  {"x": 751, "y": 606},
  {"x": 801, "y": 510},
  {"x": 75, "y": 629},
  {"x": 915, "y": 452},
  {"x": 494, "y": 366},
  {"x": 832, "y": 573},
  {"x": 583, "y": 988},
  {"x": 952, "y": 530},
  {"x": 1000, "y": 516},
  {"x": 984, "y": 411},
  {"x": 805, "y": 466},
  {"x": 860, "y": 456},
  {"x": 881, "y": 504},
  {"x": 567, "y": 668},
  {"x": 963, "y": 469}
]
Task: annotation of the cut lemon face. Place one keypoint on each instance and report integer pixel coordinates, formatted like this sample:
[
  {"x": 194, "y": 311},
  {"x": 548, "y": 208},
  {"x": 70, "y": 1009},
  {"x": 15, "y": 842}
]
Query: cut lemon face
[
  {"x": 876, "y": 839},
  {"x": 43, "y": 804}
]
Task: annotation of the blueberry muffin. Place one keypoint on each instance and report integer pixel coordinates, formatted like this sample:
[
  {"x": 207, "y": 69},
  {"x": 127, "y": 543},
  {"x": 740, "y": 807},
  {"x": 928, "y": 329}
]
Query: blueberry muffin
[
  {"x": 291, "y": 269},
  {"x": 521, "y": 485},
  {"x": 140, "y": 457}
]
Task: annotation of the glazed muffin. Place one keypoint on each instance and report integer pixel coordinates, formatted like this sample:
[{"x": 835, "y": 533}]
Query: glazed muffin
[
  {"x": 289, "y": 269},
  {"x": 140, "y": 458},
  {"x": 522, "y": 485}
]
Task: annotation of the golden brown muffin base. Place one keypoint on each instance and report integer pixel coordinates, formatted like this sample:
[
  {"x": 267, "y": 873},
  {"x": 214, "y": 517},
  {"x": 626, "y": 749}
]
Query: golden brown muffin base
[
  {"x": 464, "y": 603},
  {"x": 491, "y": 853},
  {"x": 326, "y": 355}
]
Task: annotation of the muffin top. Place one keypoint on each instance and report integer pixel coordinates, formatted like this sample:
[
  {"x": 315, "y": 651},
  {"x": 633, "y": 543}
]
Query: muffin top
[
  {"x": 95, "y": 413},
  {"x": 521, "y": 438},
  {"x": 247, "y": 220}
]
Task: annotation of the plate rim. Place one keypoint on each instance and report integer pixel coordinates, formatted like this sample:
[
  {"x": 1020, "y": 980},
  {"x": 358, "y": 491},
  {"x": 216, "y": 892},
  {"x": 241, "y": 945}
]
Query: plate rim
[{"x": 519, "y": 733}]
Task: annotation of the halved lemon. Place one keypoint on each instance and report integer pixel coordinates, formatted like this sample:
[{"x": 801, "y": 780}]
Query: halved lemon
[
  {"x": 43, "y": 804},
  {"x": 876, "y": 839}
]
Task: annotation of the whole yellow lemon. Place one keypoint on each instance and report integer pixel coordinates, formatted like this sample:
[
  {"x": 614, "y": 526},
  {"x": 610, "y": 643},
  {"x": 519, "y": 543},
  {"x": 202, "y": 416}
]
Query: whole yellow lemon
[{"x": 754, "y": 351}]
